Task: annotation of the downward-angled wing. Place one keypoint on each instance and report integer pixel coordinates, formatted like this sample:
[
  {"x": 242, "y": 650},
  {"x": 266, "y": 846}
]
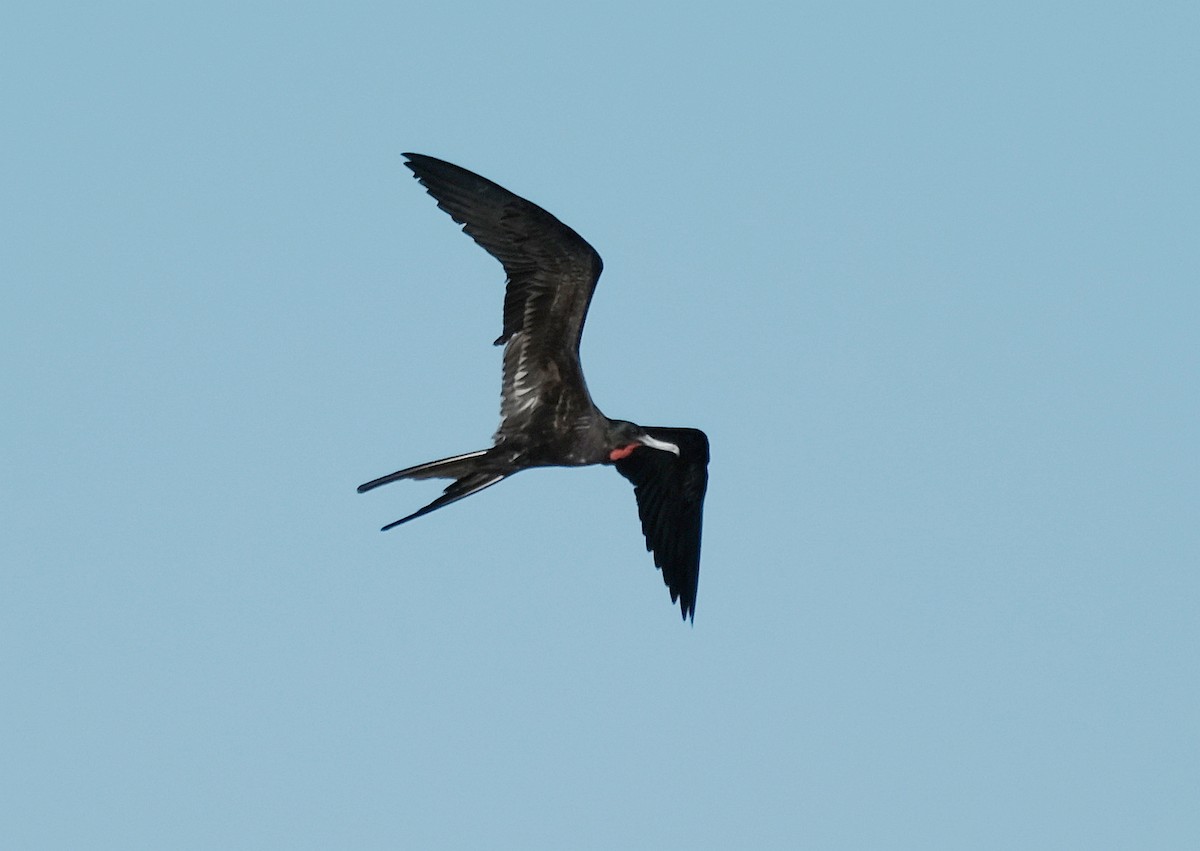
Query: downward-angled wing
[
  {"x": 552, "y": 273},
  {"x": 670, "y": 497}
]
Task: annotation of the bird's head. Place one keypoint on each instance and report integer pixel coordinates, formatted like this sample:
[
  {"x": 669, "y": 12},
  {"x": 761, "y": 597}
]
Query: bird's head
[{"x": 625, "y": 437}]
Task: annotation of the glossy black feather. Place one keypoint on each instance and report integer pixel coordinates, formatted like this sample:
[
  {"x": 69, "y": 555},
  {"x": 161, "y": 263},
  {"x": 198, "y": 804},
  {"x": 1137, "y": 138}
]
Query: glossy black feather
[
  {"x": 542, "y": 256},
  {"x": 552, "y": 274},
  {"x": 670, "y": 496}
]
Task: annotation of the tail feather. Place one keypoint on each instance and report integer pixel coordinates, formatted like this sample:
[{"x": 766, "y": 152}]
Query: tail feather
[
  {"x": 470, "y": 471},
  {"x": 461, "y": 489},
  {"x": 454, "y": 467}
]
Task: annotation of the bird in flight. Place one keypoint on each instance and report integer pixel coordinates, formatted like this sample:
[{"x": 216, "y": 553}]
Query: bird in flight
[{"x": 547, "y": 417}]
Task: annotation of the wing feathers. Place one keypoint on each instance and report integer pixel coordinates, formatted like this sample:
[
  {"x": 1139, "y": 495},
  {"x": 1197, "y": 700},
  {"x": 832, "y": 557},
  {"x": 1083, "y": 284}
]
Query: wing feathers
[
  {"x": 538, "y": 252},
  {"x": 670, "y": 497},
  {"x": 552, "y": 274}
]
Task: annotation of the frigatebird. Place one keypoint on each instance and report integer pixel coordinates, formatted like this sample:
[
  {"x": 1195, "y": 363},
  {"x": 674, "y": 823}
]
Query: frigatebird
[{"x": 547, "y": 417}]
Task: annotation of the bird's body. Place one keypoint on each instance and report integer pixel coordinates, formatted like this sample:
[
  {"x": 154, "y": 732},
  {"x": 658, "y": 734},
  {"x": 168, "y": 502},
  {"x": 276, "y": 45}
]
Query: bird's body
[{"x": 547, "y": 417}]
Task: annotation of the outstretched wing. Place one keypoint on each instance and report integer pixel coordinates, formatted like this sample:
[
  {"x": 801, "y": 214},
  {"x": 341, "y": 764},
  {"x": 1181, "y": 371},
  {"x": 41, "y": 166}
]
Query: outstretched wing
[
  {"x": 670, "y": 497},
  {"x": 552, "y": 273}
]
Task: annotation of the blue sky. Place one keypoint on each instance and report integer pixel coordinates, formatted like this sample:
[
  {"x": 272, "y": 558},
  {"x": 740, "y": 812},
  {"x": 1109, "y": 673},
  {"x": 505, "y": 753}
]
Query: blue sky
[{"x": 925, "y": 273}]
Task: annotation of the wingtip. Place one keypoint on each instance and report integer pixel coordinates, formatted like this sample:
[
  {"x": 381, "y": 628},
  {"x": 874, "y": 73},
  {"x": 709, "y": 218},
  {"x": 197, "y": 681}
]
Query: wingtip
[{"x": 414, "y": 161}]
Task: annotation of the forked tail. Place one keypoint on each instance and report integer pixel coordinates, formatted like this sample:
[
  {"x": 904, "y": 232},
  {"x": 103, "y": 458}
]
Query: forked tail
[{"x": 470, "y": 471}]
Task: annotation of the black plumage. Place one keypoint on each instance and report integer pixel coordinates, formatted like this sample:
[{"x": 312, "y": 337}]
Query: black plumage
[{"x": 547, "y": 415}]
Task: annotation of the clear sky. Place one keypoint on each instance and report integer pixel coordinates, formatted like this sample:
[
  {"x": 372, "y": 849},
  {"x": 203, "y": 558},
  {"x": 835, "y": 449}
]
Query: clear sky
[{"x": 928, "y": 274}]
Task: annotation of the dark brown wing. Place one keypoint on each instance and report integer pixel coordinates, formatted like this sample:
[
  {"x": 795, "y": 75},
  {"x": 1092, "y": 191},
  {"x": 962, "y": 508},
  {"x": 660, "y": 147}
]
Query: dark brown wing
[
  {"x": 552, "y": 273},
  {"x": 670, "y": 497}
]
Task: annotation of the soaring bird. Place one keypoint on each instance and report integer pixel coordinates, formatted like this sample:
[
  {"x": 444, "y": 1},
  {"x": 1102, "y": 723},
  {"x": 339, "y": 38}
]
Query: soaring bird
[{"x": 547, "y": 416}]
